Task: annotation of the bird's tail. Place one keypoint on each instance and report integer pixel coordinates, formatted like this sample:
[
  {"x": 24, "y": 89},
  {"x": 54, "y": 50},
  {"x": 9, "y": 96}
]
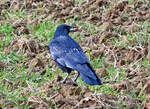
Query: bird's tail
[{"x": 88, "y": 74}]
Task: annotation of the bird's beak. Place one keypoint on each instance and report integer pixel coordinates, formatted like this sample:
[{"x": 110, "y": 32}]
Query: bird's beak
[{"x": 74, "y": 29}]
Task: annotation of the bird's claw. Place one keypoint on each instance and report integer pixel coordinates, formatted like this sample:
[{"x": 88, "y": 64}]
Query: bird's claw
[
  {"x": 68, "y": 83},
  {"x": 74, "y": 83},
  {"x": 61, "y": 82}
]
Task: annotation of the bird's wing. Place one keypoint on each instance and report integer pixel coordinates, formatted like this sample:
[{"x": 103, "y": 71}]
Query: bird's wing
[
  {"x": 74, "y": 57},
  {"x": 77, "y": 60},
  {"x": 57, "y": 52},
  {"x": 68, "y": 54}
]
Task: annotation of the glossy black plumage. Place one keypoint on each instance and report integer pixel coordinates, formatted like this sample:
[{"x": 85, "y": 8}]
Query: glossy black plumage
[{"x": 69, "y": 56}]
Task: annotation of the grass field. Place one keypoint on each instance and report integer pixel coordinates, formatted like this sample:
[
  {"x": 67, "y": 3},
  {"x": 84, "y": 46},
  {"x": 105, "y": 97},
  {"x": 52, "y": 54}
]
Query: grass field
[{"x": 115, "y": 36}]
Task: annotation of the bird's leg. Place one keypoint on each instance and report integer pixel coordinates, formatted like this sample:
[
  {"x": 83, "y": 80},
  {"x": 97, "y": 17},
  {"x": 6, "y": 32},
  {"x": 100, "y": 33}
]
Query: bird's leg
[
  {"x": 76, "y": 77},
  {"x": 74, "y": 82},
  {"x": 64, "y": 81}
]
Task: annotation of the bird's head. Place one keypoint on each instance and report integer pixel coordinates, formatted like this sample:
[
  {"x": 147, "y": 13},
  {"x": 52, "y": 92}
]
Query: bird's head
[{"x": 65, "y": 29}]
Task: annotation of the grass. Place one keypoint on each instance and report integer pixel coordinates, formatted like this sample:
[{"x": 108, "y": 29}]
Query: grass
[
  {"x": 7, "y": 31},
  {"x": 15, "y": 78},
  {"x": 45, "y": 30},
  {"x": 20, "y": 76}
]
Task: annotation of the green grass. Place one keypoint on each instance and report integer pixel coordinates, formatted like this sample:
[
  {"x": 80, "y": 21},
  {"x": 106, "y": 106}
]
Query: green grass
[
  {"x": 15, "y": 78},
  {"x": 20, "y": 76},
  {"x": 45, "y": 30},
  {"x": 7, "y": 31}
]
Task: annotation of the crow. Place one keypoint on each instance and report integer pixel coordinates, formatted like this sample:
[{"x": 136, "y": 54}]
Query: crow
[{"x": 68, "y": 55}]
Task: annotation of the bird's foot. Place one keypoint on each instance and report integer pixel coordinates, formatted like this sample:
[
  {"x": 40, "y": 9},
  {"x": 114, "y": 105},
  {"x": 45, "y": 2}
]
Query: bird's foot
[
  {"x": 62, "y": 82},
  {"x": 71, "y": 83},
  {"x": 68, "y": 82},
  {"x": 74, "y": 83}
]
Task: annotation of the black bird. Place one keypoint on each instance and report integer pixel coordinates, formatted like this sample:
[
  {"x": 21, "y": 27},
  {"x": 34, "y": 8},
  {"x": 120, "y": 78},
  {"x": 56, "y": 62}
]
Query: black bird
[{"x": 69, "y": 56}]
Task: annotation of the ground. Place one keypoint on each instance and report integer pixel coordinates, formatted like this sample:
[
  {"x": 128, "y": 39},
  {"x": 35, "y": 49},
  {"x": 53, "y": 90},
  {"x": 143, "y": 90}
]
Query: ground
[{"x": 115, "y": 35}]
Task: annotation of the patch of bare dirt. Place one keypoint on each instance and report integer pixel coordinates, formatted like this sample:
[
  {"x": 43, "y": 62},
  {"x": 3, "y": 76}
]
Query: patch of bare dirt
[
  {"x": 74, "y": 97},
  {"x": 2, "y": 65},
  {"x": 120, "y": 14}
]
